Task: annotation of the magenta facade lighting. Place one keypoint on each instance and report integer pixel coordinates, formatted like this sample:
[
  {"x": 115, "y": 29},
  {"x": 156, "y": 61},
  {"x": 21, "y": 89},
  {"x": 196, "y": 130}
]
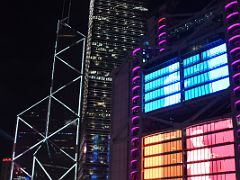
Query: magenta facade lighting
[
  {"x": 162, "y": 34},
  {"x": 134, "y": 134},
  {"x": 233, "y": 38}
]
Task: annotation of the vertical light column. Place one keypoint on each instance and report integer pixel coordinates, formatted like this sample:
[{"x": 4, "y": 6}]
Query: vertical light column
[
  {"x": 135, "y": 142},
  {"x": 232, "y": 21},
  {"x": 162, "y": 34}
]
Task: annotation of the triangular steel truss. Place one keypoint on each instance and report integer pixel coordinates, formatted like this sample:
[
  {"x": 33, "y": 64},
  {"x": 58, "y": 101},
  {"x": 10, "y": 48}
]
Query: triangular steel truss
[{"x": 47, "y": 133}]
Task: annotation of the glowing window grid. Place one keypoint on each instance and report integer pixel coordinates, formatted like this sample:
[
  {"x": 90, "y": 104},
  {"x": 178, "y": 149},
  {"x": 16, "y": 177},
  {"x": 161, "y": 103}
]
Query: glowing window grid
[
  {"x": 209, "y": 153},
  {"x": 162, "y": 87},
  {"x": 203, "y": 74},
  {"x": 162, "y": 156}
]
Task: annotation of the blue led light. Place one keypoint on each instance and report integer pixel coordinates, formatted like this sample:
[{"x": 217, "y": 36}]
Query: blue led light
[
  {"x": 162, "y": 92},
  {"x": 214, "y": 51},
  {"x": 163, "y": 81},
  {"x": 203, "y": 74},
  {"x": 206, "y": 77},
  {"x": 206, "y": 65},
  {"x": 164, "y": 102},
  {"x": 161, "y": 72}
]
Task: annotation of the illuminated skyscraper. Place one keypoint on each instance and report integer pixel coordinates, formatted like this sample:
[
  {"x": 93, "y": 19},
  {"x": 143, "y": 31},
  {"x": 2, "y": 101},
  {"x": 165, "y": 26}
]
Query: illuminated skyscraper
[{"x": 115, "y": 28}]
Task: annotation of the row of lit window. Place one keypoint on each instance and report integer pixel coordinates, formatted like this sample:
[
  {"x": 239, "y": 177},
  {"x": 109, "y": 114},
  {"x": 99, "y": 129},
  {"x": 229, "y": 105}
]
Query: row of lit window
[
  {"x": 163, "y": 81},
  {"x": 161, "y": 72},
  {"x": 163, "y": 172},
  {"x": 206, "y": 77},
  {"x": 162, "y": 92},
  {"x": 207, "y": 89},
  {"x": 209, "y": 127},
  {"x": 160, "y": 137},
  {"x": 206, "y": 65},
  {"x": 163, "y": 148},
  {"x": 162, "y": 160},
  {"x": 164, "y": 102}
]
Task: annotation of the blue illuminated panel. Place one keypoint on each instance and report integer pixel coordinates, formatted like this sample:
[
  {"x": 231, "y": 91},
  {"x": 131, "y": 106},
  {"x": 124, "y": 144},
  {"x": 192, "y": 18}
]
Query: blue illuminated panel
[
  {"x": 199, "y": 75},
  {"x": 162, "y": 88},
  {"x": 208, "y": 75}
]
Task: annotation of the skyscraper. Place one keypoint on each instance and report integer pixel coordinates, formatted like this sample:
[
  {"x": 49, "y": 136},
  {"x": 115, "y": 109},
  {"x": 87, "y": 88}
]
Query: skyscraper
[{"x": 115, "y": 27}]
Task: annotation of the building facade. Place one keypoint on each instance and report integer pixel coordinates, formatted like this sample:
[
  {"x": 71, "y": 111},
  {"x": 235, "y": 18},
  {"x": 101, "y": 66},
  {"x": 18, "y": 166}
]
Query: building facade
[
  {"x": 183, "y": 98},
  {"x": 115, "y": 27}
]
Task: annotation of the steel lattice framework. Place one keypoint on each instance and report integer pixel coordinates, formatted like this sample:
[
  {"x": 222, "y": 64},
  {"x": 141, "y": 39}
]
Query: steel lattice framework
[{"x": 47, "y": 133}]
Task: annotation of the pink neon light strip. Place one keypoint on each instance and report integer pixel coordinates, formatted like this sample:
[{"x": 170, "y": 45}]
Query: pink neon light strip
[
  {"x": 235, "y": 49},
  {"x": 136, "y": 68},
  {"x": 230, "y": 4},
  {"x": 160, "y": 35},
  {"x": 161, "y": 19},
  {"x": 135, "y": 107},
  {"x": 233, "y": 38},
  {"x": 231, "y": 15},
  {"x": 135, "y": 87},
  {"x": 232, "y": 26},
  {"x": 135, "y": 97},
  {"x": 161, "y": 42},
  {"x": 135, "y": 78},
  {"x": 135, "y": 51},
  {"x": 236, "y": 75},
  {"x": 236, "y": 62},
  {"x": 161, "y": 27}
]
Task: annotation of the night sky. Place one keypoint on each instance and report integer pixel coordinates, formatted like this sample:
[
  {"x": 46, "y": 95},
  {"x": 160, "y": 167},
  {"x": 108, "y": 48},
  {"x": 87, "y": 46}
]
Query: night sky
[{"x": 26, "y": 54}]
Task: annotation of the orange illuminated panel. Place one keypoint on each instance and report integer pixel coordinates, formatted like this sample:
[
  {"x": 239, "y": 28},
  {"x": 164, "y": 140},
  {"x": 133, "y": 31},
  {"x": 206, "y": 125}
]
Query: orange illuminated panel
[
  {"x": 162, "y": 156},
  {"x": 210, "y": 151}
]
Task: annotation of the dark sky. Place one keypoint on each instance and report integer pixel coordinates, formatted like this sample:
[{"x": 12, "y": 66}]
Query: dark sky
[{"x": 27, "y": 37}]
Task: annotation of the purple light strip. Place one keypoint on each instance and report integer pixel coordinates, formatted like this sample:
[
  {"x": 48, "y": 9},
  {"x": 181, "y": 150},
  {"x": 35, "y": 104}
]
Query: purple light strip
[
  {"x": 135, "y": 78},
  {"x": 135, "y": 51},
  {"x": 161, "y": 27},
  {"x": 237, "y": 102},
  {"x": 133, "y": 172},
  {"x": 136, "y": 68},
  {"x": 235, "y": 49},
  {"x": 161, "y": 42},
  {"x": 135, "y": 118},
  {"x": 161, "y": 34},
  {"x": 135, "y": 87},
  {"x": 132, "y": 161},
  {"x": 135, "y": 97},
  {"x": 230, "y": 4},
  {"x": 135, "y": 149},
  {"x": 231, "y": 15},
  {"x": 232, "y": 26},
  {"x": 238, "y": 116},
  {"x": 162, "y": 49},
  {"x": 237, "y": 88},
  {"x": 134, "y": 139},
  {"x": 235, "y": 62},
  {"x": 134, "y": 128},
  {"x": 235, "y": 75},
  {"x": 135, "y": 107},
  {"x": 233, "y": 38}
]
